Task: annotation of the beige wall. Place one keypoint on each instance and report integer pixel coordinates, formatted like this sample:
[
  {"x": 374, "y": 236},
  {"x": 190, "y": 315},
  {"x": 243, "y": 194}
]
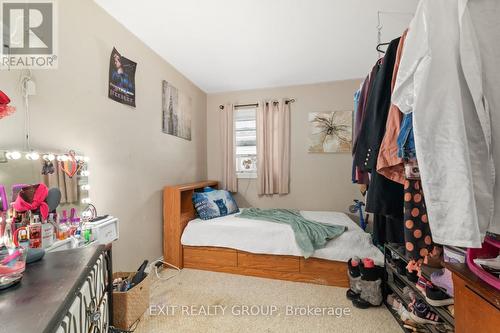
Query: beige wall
[
  {"x": 131, "y": 160},
  {"x": 318, "y": 181}
]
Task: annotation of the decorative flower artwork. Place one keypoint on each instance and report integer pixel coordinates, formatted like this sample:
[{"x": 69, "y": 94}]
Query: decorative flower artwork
[{"x": 330, "y": 132}]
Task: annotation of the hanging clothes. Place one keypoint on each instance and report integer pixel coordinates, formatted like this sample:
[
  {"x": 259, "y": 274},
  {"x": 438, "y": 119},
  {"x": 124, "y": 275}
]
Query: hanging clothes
[
  {"x": 387, "y": 230},
  {"x": 406, "y": 140},
  {"x": 440, "y": 81},
  {"x": 384, "y": 196},
  {"x": 354, "y": 116},
  {"x": 417, "y": 234},
  {"x": 359, "y": 176},
  {"x": 484, "y": 18},
  {"x": 389, "y": 164}
]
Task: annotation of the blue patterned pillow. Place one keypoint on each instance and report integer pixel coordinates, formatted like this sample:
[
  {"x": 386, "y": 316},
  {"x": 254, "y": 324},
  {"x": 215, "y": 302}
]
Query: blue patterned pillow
[{"x": 213, "y": 204}]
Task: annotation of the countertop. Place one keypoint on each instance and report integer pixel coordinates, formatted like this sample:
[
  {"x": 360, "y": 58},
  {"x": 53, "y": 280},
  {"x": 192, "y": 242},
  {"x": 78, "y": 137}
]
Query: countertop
[{"x": 39, "y": 302}]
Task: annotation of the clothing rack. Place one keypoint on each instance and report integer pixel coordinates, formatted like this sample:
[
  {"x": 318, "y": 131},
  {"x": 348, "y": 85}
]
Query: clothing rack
[{"x": 288, "y": 101}]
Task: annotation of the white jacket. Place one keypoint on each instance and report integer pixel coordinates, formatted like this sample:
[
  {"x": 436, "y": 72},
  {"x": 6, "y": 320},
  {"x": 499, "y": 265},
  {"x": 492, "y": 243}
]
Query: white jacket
[{"x": 441, "y": 80}]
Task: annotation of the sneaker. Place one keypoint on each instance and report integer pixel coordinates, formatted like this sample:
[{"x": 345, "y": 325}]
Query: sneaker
[
  {"x": 444, "y": 280},
  {"x": 397, "y": 306},
  {"x": 436, "y": 297},
  {"x": 409, "y": 295},
  {"x": 422, "y": 284},
  {"x": 422, "y": 314}
]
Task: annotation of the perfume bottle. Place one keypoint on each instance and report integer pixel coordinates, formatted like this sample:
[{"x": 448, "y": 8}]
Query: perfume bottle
[{"x": 62, "y": 228}]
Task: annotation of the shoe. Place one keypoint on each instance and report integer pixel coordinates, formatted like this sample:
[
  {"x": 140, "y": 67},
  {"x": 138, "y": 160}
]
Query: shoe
[
  {"x": 422, "y": 284},
  {"x": 436, "y": 297},
  {"x": 413, "y": 266},
  {"x": 371, "y": 291},
  {"x": 351, "y": 295},
  {"x": 435, "y": 258},
  {"x": 354, "y": 274},
  {"x": 443, "y": 280},
  {"x": 353, "y": 266},
  {"x": 400, "y": 266},
  {"x": 412, "y": 277},
  {"x": 369, "y": 284},
  {"x": 361, "y": 303},
  {"x": 409, "y": 295},
  {"x": 422, "y": 314},
  {"x": 397, "y": 306}
]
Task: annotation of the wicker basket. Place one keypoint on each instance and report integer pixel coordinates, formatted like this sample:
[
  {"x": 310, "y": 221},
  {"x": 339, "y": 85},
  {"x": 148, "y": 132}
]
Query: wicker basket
[{"x": 129, "y": 306}]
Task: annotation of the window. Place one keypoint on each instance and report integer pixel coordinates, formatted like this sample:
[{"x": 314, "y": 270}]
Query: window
[{"x": 246, "y": 142}]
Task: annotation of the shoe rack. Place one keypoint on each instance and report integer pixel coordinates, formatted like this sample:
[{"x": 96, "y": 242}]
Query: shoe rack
[{"x": 395, "y": 282}]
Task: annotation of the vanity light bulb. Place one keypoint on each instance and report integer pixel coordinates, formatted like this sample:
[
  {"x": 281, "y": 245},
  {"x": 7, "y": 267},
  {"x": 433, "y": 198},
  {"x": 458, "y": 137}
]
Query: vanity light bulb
[
  {"x": 86, "y": 159},
  {"x": 15, "y": 155},
  {"x": 85, "y": 173},
  {"x": 85, "y": 187},
  {"x": 33, "y": 156},
  {"x": 85, "y": 200},
  {"x": 49, "y": 157}
]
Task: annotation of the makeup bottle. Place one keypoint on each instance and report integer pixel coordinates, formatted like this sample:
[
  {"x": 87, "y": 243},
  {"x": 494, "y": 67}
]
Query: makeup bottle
[
  {"x": 63, "y": 230},
  {"x": 48, "y": 232},
  {"x": 35, "y": 232},
  {"x": 74, "y": 221}
]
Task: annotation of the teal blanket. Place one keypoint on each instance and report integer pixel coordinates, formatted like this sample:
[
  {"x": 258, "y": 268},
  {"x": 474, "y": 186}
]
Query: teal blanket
[{"x": 309, "y": 235}]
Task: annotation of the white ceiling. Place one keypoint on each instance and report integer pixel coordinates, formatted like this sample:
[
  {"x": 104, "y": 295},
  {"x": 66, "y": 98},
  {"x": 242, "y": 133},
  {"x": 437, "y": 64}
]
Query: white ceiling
[{"x": 224, "y": 45}]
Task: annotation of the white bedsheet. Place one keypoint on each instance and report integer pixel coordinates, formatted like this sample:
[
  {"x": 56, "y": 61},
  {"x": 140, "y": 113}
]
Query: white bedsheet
[{"x": 274, "y": 238}]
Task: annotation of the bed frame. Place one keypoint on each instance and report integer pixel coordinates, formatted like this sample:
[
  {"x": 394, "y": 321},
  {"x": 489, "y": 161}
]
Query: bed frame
[{"x": 178, "y": 210}]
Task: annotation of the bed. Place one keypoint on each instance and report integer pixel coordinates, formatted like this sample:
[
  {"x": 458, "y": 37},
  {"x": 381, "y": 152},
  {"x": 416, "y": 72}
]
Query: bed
[{"x": 235, "y": 245}]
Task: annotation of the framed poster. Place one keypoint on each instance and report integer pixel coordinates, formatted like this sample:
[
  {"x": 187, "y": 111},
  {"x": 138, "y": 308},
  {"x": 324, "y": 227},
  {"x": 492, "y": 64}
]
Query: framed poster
[
  {"x": 121, "y": 79},
  {"x": 176, "y": 109}
]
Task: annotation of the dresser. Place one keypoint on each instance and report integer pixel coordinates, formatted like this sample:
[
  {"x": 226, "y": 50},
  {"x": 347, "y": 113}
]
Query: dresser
[
  {"x": 66, "y": 292},
  {"x": 477, "y": 305}
]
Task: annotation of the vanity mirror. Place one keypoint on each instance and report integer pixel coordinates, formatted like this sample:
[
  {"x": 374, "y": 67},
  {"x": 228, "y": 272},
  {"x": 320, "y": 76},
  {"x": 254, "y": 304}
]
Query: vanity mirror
[{"x": 68, "y": 172}]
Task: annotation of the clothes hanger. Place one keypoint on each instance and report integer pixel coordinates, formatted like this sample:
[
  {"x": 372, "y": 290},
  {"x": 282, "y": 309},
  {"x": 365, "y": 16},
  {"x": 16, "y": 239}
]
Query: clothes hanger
[{"x": 380, "y": 45}]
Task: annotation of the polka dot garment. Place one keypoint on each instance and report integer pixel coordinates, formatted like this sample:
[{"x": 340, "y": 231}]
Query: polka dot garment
[{"x": 418, "y": 240}]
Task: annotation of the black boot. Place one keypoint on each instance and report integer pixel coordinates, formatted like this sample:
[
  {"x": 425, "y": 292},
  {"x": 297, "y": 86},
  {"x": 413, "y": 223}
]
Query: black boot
[
  {"x": 371, "y": 287},
  {"x": 354, "y": 279}
]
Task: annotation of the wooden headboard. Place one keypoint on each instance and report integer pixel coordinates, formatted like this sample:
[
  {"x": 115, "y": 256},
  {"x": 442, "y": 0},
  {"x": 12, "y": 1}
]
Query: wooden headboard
[{"x": 178, "y": 210}]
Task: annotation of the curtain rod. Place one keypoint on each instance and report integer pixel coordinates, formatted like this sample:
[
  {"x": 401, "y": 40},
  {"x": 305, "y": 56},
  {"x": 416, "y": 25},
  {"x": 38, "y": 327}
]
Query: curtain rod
[{"x": 291, "y": 100}]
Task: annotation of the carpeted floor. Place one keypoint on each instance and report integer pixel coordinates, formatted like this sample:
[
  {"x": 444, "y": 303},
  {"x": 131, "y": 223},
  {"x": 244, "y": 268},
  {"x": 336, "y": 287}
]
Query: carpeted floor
[{"x": 200, "y": 301}]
